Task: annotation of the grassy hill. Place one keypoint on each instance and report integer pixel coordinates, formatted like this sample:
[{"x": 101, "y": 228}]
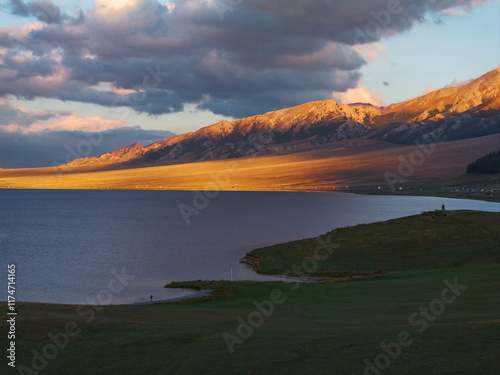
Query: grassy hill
[{"x": 439, "y": 239}]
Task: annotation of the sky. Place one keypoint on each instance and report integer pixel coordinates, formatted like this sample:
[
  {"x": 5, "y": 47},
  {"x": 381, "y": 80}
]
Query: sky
[{"x": 80, "y": 78}]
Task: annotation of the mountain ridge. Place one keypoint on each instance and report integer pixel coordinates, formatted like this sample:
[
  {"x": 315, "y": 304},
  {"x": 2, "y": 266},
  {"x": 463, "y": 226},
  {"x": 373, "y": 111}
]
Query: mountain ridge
[{"x": 462, "y": 112}]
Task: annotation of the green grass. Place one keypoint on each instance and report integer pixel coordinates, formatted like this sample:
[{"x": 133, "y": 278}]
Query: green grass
[
  {"x": 434, "y": 239},
  {"x": 320, "y": 328}
]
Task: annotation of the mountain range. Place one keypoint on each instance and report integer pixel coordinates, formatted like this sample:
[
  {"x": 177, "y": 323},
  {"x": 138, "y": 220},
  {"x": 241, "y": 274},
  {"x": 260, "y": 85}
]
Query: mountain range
[
  {"x": 464, "y": 112},
  {"x": 420, "y": 145}
]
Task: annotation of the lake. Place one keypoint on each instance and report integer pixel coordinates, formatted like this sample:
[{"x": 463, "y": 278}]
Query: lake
[{"x": 70, "y": 245}]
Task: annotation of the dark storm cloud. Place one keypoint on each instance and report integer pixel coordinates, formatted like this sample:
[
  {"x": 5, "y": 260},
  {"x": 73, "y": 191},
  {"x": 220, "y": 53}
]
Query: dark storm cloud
[
  {"x": 53, "y": 148},
  {"x": 43, "y": 10},
  {"x": 257, "y": 56}
]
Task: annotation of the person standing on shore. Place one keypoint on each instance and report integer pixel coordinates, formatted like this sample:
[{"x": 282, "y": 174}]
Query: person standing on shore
[{"x": 151, "y": 297}]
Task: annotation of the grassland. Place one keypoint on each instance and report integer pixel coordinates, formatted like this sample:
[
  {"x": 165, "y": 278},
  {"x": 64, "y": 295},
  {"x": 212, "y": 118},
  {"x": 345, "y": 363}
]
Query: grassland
[
  {"x": 436, "y": 239},
  {"x": 316, "y": 328},
  {"x": 359, "y": 164}
]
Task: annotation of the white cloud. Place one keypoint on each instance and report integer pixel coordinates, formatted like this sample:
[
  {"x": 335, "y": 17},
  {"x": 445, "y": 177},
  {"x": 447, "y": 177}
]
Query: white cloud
[
  {"x": 464, "y": 9},
  {"x": 429, "y": 89},
  {"x": 370, "y": 51},
  {"x": 15, "y": 119},
  {"x": 67, "y": 123},
  {"x": 359, "y": 94},
  {"x": 455, "y": 12},
  {"x": 104, "y": 6},
  {"x": 456, "y": 83}
]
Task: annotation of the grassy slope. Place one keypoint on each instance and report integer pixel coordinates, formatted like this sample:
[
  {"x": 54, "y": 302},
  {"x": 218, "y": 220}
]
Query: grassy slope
[
  {"x": 357, "y": 163},
  {"x": 328, "y": 328},
  {"x": 439, "y": 239}
]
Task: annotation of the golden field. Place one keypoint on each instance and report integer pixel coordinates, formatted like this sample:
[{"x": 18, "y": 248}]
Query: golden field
[{"x": 355, "y": 163}]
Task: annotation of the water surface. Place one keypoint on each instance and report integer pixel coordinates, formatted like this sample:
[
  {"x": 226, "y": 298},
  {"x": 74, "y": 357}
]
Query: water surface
[{"x": 69, "y": 244}]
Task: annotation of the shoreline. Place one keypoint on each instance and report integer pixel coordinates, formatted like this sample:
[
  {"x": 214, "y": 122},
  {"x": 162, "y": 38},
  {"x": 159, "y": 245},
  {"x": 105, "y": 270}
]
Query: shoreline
[
  {"x": 197, "y": 294},
  {"x": 493, "y": 197}
]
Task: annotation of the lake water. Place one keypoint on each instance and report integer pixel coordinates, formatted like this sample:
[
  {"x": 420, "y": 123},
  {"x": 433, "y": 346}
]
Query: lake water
[{"x": 68, "y": 245}]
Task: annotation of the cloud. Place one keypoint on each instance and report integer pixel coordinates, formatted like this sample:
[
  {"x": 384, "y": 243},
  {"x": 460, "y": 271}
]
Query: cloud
[
  {"x": 67, "y": 123},
  {"x": 43, "y": 138},
  {"x": 155, "y": 58},
  {"x": 456, "y": 83},
  {"x": 11, "y": 113},
  {"x": 455, "y": 12},
  {"x": 464, "y": 9},
  {"x": 429, "y": 89},
  {"x": 45, "y": 11},
  {"x": 49, "y": 149},
  {"x": 108, "y": 6},
  {"x": 359, "y": 95},
  {"x": 16, "y": 119}
]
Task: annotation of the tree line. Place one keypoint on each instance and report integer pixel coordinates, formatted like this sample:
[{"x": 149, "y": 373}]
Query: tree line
[{"x": 488, "y": 164}]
